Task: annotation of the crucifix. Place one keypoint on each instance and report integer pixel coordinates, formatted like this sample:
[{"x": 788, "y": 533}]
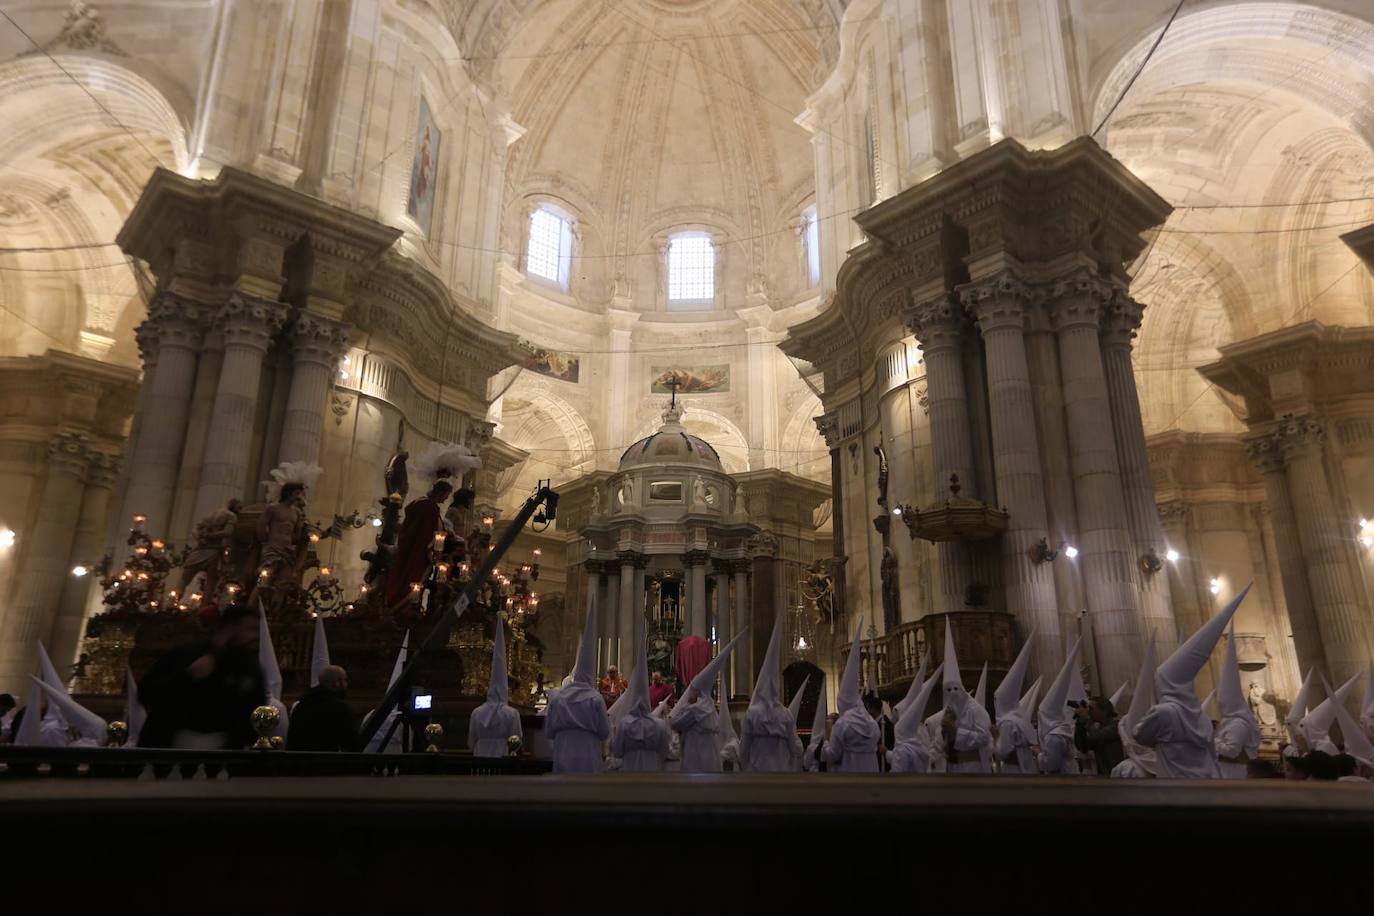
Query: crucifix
[{"x": 673, "y": 383}]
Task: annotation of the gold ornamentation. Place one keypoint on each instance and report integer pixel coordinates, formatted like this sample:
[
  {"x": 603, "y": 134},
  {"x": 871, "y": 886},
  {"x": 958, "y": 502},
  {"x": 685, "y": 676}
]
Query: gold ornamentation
[
  {"x": 116, "y": 733},
  {"x": 265, "y": 721},
  {"x": 434, "y": 733}
]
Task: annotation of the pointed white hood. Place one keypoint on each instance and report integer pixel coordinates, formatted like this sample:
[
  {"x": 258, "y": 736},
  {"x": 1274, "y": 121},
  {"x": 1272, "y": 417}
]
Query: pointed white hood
[
  {"x": 1293, "y": 721},
  {"x": 1207, "y": 704},
  {"x": 917, "y": 682},
  {"x": 766, "y": 687},
  {"x": 956, "y": 697},
  {"x": 319, "y": 652},
  {"x": 1143, "y": 696},
  {"x": 498, "y": 685},
  {"x": 267, "y": 657},
  {"x": 1118, "y": 695},
  {"x": 980, "y": 693},
  {"x": 48, "y": 672},
  {"x": 818, "y": 720},
  {"x": 31, "y": 726},
  {"x": 1367, "y": 710},
  {"x": 848, "y": 697},
  {"x": 584, "y": 670},
  {"x": 794, "y": 707},
  {"x": 134, "y": 713},
  {"x": 1008, "y": 693},
  {"x": 1054, "y": 708},
  {"x": 400, "y": 664},
  {"x": 639, "y": 682},
  {"x": 706, "y": 677},
  {"x": 86, "y": 723},
  {"x": 911, "y": 721},
  {"x": 1316, "y": 725},
  {"x": 1174, "y": 678},
  {"x": 1357, "y": 743},
  {"x": 727, "y": 731},
  {"x": 1026, "y": 707}
]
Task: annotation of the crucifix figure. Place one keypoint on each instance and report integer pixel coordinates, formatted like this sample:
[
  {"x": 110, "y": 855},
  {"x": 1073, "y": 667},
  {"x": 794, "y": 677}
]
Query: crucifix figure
[{"x": 674, "y": 383}]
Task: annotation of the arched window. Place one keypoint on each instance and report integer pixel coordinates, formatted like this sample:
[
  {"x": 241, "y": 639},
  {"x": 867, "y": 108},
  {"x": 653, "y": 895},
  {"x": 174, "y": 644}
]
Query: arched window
[
  {"x": 691, "y": 271},
  {"x": 811, "y": 241},
  {"x": 548, "y": 254}
]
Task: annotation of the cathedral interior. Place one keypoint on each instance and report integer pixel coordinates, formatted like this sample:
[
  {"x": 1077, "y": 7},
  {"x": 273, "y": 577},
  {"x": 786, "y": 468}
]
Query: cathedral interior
[{"x": 1028, "y": 320}]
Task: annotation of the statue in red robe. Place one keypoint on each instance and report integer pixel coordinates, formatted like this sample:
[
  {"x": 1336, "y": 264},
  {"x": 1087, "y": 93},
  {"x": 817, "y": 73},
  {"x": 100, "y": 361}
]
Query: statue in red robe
[{"x": 415, "y": 542}]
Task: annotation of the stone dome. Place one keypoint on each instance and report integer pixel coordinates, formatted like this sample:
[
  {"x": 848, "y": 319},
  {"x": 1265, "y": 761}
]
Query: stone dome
[{"x": 671, "y": 445}]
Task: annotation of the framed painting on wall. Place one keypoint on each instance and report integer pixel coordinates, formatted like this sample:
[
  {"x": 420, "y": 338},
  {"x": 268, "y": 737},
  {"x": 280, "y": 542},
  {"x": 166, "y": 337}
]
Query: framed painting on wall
[{"x": 424, "y": 169}]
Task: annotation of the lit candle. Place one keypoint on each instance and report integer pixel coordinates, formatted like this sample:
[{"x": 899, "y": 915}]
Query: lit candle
[
  {"x": 324, "y": 570},
  {"x": 158, "y": 545},
  {"x": 415, "y": 586},
  {"x": 314, "y": 538}
]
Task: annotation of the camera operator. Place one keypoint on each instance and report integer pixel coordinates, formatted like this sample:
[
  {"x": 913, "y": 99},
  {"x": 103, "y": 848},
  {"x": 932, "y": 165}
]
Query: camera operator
[{"x": 1095, "y": 731}]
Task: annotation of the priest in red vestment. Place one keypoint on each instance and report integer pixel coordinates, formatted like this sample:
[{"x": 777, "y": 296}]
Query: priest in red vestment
[{"x": 415, "y": 542}]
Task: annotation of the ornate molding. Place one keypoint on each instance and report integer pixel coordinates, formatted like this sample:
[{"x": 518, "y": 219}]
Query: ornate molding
[
  {"x": 83, "y": 29},
  {"x": 1298, "y": 436},
  {"x": 318, "y": 340},
  {"x": 998, "y": 302},
  {"x": 69, "y": 453},
  {"x": 248, "y": 321}
]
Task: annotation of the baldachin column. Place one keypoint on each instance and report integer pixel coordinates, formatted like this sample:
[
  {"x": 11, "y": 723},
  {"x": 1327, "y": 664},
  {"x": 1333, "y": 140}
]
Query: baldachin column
[
  {"x": 739, "y": 659},
  {"x": 696, "y": 561}
]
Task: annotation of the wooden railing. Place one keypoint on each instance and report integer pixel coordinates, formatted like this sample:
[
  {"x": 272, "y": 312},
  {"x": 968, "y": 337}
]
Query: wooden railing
[{"x": 979, "y": 636}]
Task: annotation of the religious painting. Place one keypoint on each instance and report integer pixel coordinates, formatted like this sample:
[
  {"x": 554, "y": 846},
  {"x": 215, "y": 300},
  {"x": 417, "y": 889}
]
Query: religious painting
[
  {"x": 424, "y": 169},
  {"x": 691, "y": 380},
  {"x": 563, "y": 366}
]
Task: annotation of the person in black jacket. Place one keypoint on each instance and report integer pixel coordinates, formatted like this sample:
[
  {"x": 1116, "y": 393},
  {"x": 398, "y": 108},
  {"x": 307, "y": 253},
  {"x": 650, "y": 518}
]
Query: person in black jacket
[
  {"x": 1096, "y": 732},
  {"x": 202, "y": 694},
  {"x": 323, "y": 720}
]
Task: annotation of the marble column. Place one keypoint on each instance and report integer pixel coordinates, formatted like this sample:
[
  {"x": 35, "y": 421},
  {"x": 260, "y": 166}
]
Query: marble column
[
  {"x": 1183, "y": 573},
  {"x": 116, "y": 526},
  {"x": 1118, "y": 326},
  {"x": 724, "y": 630},
  {"x": 1266, "y": 455},
  {"x": 632, "y": 613},
  {"x": 696, "y": 561},
  {"x": 593, "y": 568},
  {"x": 248, "y": 326},
  {"x": 87, "y": 547},
  {"x": 208, "y": 368},
  {"x": 608, "y": 620},
  {"x": 1105, "y": 554},
  {"x": 44, "y": 566},
  {"x": 999, "y": 305},
  {"x": 154, "y": 463},
  {"x": 317, "y": 344},
  {"x": 1344, "y": 633},
  {"x": 739, "y": 658},
  {"x": 625, "y": 618},
  {"x": 940, "y": 327}
]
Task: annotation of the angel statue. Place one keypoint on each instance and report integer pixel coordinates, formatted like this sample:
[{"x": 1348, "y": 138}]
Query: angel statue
[{"x": 819, "y": 588}]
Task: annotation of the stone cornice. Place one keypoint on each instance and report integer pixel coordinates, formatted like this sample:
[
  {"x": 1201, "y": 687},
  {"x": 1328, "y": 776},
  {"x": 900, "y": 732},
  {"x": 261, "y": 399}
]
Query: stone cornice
[
  {"x": 1202, "y": 467},
  {"x": 1361, "y": 241}
]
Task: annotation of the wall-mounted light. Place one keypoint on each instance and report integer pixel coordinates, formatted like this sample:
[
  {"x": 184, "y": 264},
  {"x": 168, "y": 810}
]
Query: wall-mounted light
[
  {"x": 1042, "y": 552},
  {"x": 1070, "y": 551},
  {"x": 1214, "y": 586},
  {"x": 1171, "y": 555},
  {"x": 6, "y": 537},
  {"x": 376, "y": 523},
  {"x": 1150, "y": 561},
  {"x": 79, "y": 571}
]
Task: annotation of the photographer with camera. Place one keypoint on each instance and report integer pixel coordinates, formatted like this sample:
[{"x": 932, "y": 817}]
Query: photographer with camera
[{"x": 1095, "y": 732}]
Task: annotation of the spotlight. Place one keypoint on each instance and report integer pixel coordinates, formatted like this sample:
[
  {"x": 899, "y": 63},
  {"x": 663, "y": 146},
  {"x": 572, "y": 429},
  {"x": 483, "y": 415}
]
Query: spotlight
[
  {"x": 1171, "y": 555},
  {"x": 376, "y": 523},
  {"x": 6, "y": 537},
  {"x": 79, "y": 571},
  {"x": 897, "y": 511},
  {"x": 1070, "y": 551},
  {"x": 1214, "y": 586},
  {"x": 1367, "y": 541}
]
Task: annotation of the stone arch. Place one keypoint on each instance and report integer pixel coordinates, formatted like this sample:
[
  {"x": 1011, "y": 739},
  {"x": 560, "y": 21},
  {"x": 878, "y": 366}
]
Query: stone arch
[
  {"x": 559, "y": 441},
  {"x": 76, "y": 171}
]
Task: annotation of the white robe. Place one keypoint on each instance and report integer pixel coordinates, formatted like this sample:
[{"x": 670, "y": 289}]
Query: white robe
[
  {"x": 972, "y": 736},
  {"x": 641, "y": 742},
  {"x": 813, "y": 754},
  {"x": 912, "y": 756},
  {"x": 490, "y": 727},
  {"x": 1129, "y": 769},
  {"x": 1236, "y": 737},
  {"x": 853, "y": 742},
  {"x": 1056, "y": 752},
  {"x": 1178, "y": 744},
  {"x": 1015, "y": 738},
  {"x": 699, "y": 725},
  {"x": 768, "y": 740},
  {"x": 577, "y": 723}
]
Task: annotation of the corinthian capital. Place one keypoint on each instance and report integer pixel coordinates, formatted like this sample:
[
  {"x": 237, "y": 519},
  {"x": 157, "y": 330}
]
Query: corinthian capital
[
  {"x": 828, "y": 425},
  {"x": 176, "y": 321},
  {"x": 1078, "y": 300},
  {"x": 937, "y": 323},
  {"x": 249, "y": 321},
  {"x": 998, "y": 302},
  {"x": 1120, "y": 321},
  {"x": 68, "y": 454},
  {"x": 102, "y": 470},
  {"x": 1264, "y": 453},
  {"x": 318, "y": 340},
  {"x": 1298, "y": 435}
]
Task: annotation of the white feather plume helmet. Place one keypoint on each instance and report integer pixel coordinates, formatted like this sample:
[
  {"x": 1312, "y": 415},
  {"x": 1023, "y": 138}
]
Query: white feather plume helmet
[
  {"x": 302, "y": 472},
  {"x": 444, "y": 460}
]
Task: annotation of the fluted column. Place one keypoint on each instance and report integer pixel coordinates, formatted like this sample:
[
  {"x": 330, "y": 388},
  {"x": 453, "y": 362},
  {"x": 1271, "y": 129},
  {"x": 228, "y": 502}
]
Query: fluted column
[
  {"x": 999, "y": 307},
  {"x": 87, "y": 546},
  {"x": 179, "y": 325},
  {"x": 940, "y": 327},
  {"x": 120, "y": 516},
  {"x": 1104, "y": 548},
  {"x": 317, "y": 344},
  {"x": 1344, "y": 634},
  {"x": 1119, "y": 323},
  {"x": 593, "y": 568},
  {"x": 625, "y": 629},
  {"x": 739, "y": 659},
  {"x": 1266, "y": 454},
  {"x": 208, "y": 368},
  {"x": 43, "y": 567},
  {"x": 696, "y": 561},
  {"x": 248, "y": 326}
]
